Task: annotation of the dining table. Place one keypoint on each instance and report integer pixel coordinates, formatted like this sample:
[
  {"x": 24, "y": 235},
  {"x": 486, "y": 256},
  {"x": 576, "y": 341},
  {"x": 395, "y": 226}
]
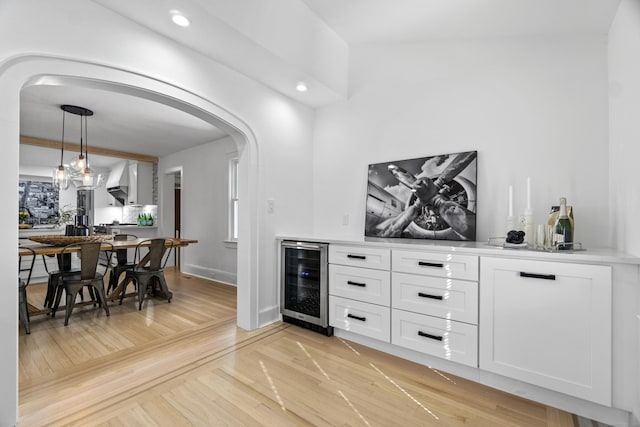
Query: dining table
[{"x": 43, "y": 249}]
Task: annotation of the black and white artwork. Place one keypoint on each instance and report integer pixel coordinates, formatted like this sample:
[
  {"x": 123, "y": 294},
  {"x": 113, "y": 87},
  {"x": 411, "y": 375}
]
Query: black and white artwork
[
  {"x": 38, "y": 201},
  {"x": 423, "y": 198}
]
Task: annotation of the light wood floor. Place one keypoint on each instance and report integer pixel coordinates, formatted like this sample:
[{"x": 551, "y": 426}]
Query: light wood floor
[{"x": 187, "y": 364}]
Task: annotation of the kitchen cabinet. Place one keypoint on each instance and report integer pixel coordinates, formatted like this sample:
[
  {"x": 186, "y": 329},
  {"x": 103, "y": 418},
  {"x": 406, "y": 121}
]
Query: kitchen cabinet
[
  {"x": 570, "y": 342},
  {"x": 359, "y": 290},
  {"x": 435, "y": 304},
  {"x": 140, "y": 183},
  {"x": 548, "y": 324}
]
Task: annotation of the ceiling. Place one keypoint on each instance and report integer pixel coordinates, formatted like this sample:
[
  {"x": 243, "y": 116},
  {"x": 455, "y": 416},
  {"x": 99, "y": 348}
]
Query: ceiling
[
  {"x": 127, "y": 123},
  {"x": 120, "y": 122},
  {"x": 385, "y": 21}
]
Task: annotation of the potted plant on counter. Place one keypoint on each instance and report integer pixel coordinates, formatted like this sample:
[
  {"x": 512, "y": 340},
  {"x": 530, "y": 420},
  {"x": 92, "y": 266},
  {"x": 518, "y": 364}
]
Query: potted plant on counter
[{"x": 66, "y": 216}]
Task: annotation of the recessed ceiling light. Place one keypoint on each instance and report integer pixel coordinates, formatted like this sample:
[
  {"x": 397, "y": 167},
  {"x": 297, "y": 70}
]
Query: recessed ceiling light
[
  {"x": 301, "y": 87},
  {"x": 179, "y": 19}
]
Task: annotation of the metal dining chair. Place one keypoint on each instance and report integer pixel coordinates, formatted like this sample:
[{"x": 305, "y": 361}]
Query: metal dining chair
[
  {"x": 88, "y": 276},
  {"x": 64, "y": 265},
  {"x": 122, "y": 263},
  {"x": 147, "y": 276},
  {"x": 23, "y": 307}
]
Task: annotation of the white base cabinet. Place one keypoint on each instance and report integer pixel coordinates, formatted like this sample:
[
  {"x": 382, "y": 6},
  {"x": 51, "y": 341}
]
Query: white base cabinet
[
  {"x": 557, "y": 328},
  {"x": 370, "y": 320},
  {"x": 548, "y": 324},
  {"x": 359, "y": 290},
  {"x": 450, "y": 340}
]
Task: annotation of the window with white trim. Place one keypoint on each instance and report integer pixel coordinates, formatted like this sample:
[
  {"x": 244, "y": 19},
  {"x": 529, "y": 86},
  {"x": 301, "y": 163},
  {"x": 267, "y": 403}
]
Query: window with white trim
[{"x": 233, "y": 200}]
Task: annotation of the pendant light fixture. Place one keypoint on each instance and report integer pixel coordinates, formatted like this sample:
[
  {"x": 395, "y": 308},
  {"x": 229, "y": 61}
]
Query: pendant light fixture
[
  {"x": 61, "y": 177},
  {"x": 90, "y": 178},
  {"x": 79, "y": 163},
  {"x": 82, "y": 175}
]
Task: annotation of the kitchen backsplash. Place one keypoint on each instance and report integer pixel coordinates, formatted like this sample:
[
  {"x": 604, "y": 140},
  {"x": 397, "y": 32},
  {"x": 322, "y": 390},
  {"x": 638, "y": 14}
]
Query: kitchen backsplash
[
  {"x": 125, "y": 214},
  {"x": 130, "y": 213}
]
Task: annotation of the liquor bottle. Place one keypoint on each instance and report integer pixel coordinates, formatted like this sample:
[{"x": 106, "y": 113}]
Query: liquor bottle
[{"x": 563, "y": 228}]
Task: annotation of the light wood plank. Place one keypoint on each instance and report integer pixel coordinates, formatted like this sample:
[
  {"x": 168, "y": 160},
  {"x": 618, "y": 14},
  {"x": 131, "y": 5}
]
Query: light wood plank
[
  {"x": 187, "y": 364},
  {"x": 70, "y": 146}
]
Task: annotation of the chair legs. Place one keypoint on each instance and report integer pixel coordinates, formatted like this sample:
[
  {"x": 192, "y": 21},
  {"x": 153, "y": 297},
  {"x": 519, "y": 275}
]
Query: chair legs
[
  {"x": 23, "y": 312},
  {"x": 71, "y": 291},
  {"x": 142, "y": 282}
]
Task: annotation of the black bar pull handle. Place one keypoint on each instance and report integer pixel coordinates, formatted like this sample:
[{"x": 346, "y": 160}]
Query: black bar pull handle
[
  {"x": 430, "y": 264},
  {"x": 360, "y": 318},
  {"x": 351, "y": 282},
  {"x": 356, "y": 256},
  {"x": 538, "y": 276},
  {"x": 433, "y": 337},
  {"x": 423, "y": 295}
]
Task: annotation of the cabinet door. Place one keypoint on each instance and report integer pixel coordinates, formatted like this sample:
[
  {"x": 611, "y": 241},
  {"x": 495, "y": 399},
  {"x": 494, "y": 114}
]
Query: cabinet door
[
  {"x": 548, "y": 324},
  {"x": 362, "y": 284}
]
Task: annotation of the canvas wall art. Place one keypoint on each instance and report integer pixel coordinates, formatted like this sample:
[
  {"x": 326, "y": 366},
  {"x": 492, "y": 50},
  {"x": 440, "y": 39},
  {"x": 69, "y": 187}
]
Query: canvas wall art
[
  {"x": 39, "y": 200},
  {"x": 424, "y": 198}
]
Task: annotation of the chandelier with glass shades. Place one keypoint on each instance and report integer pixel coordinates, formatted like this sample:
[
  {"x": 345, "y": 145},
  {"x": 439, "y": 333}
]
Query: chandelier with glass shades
[{"x": 79, "y": 171}]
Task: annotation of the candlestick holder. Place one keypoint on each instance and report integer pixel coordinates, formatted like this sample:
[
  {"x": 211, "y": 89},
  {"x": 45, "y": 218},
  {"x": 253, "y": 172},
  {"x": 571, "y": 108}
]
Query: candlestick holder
[{"x": 528, "y": 226}]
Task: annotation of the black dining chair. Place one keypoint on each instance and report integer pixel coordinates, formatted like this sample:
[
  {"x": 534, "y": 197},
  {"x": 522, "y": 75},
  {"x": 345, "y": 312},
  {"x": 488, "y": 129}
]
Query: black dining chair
[
  {"x": 122, "y": 263},
  {"x": 73, "y": 281},
  {"x": 25, "y": 269},
  {"x": 147, "y": 276},
  {"x": 64, "y": 265}
]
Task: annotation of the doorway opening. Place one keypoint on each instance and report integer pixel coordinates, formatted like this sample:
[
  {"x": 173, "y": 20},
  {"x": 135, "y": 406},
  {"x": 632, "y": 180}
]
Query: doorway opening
[
  {"x": 172, "y": 207},
  {"x": 23, "y": 71}
]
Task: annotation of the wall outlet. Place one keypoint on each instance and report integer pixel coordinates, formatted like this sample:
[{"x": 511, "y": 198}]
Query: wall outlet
[{"x": 271, "y": 205}]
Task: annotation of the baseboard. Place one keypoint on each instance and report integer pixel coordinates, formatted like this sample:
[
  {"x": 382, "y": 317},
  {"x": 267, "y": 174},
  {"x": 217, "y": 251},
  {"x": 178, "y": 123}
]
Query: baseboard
[
  {"x": 269, "y": 315},
  {"x": 210, "y": 273}
]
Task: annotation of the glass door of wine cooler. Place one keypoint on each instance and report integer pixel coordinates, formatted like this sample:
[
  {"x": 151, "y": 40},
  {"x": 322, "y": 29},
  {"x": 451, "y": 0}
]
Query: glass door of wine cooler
[{"x": 304, "y": 282}]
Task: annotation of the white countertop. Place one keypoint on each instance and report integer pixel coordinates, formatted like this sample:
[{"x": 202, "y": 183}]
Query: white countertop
[
  {"x": 129, "y": 227},
  {"x": 591, "y": 255}
]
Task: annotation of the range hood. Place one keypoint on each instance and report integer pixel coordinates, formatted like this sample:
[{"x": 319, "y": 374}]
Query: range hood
[{"x": 118, "y": 183}]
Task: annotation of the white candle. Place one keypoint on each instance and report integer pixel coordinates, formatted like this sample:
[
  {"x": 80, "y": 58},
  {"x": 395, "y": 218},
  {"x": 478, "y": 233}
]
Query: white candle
[
  {"x": 528, "y": 193},
  {"x": 511, "y": 200}
]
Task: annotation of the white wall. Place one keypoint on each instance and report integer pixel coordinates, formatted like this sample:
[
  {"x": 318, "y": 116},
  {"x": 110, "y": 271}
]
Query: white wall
[
  {"x": 531, "y": 107},
  {"x": 624, "y": 117},
  {"x": 274, "y": 162},
  {"x": 624, "y": 133},
  {"x": 204, "y": 192}
]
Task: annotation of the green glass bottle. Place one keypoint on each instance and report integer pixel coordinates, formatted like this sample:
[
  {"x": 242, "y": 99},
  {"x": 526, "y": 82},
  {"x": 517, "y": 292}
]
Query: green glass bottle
[{"x": 563, "y": 228}]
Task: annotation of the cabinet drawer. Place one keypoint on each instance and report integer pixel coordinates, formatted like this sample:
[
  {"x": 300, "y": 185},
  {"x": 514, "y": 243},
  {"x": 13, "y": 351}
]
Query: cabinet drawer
[
  {"x": 359, "y": 256},
  {"x": 443, "y": 338},
  {"x": 362, "y": 284},
  {"x": 359, "y": 317},
  {"x": 448, "y": 265},
  {"x": 435, "y": 296}
]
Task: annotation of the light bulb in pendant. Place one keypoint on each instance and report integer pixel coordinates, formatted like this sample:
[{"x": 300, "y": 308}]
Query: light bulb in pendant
[{"x": 87, "y": 179}]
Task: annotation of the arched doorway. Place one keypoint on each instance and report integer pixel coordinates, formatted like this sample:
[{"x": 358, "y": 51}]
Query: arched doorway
[{"x": 21, "y": 72}]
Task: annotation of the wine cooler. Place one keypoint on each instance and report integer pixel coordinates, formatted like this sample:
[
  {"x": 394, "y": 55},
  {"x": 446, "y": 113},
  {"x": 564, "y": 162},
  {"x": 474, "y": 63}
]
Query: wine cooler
[{"x": 304, "y": 285}]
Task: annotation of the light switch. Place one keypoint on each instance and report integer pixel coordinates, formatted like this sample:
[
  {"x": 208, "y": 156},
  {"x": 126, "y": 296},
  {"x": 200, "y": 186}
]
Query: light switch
[{"x": 345, "y": 219}]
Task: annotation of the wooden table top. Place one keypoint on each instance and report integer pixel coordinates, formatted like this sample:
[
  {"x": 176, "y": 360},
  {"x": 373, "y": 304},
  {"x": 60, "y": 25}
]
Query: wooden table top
[{"x": 43, "y": 249}]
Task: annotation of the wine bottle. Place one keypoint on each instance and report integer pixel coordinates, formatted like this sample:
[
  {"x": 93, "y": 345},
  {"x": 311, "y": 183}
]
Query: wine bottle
[{"x": 563, "y": 228}]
